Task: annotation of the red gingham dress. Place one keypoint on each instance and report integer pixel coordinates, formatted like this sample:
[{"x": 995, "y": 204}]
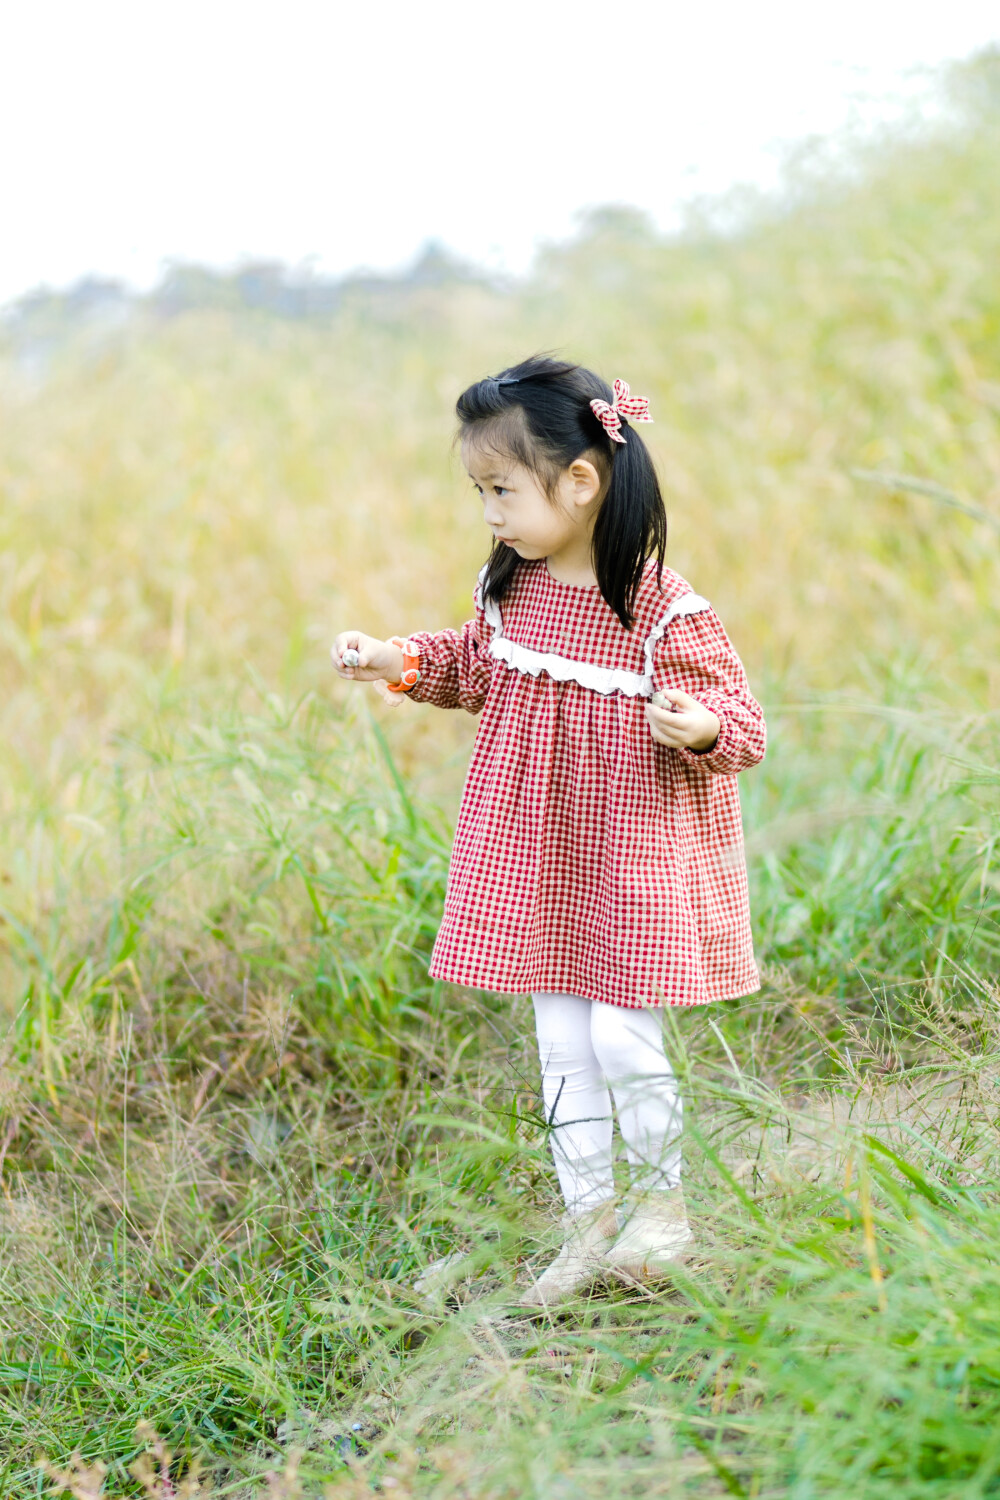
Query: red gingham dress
[{"x": 588, "y": 859}]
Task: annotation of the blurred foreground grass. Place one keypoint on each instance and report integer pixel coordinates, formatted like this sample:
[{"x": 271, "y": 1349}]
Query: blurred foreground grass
[{"x": 237, "y": 1118}]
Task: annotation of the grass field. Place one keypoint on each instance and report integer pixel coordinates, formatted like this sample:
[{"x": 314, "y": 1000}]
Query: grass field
[{"x": 237, "y": 1120}]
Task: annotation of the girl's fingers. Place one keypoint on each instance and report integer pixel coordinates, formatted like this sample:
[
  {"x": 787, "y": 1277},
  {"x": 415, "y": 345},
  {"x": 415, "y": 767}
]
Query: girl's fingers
[
  {"x": 669, "y": 734},
  {"x": 662, "y": 731},
  {"x": 346, "y": 652},
  {"x": 692, "y": 726},
  {"x": 669, "y": 727},
  {"x": 667, "y": 717}
]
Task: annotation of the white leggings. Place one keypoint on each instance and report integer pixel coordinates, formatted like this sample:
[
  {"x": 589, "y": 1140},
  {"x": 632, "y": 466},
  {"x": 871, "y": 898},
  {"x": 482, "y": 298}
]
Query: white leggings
[{"x": 583, "y": 1046}]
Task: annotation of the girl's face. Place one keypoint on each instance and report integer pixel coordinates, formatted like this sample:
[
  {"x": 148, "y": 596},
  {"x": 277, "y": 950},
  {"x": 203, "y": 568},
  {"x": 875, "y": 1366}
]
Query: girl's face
[{"x": 519, "y": 512}]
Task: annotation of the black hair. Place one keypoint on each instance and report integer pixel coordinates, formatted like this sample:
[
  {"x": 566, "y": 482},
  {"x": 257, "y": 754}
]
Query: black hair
[{"x": 538, "y": 413}]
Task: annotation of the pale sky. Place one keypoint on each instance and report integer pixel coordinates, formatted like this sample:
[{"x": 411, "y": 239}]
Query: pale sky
[{"x": 349, "y": 134}]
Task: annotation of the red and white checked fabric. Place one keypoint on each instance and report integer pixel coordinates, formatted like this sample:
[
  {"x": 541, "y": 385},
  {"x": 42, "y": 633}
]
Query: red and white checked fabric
[
  {"x": 634, "y": 408},
  {"x": 588, "y": 859}
]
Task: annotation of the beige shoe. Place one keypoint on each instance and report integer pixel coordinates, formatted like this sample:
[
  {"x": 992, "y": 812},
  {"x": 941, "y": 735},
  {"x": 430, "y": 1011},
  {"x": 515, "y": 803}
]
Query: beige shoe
[
  {"x": 656, "y": 1237},
  {"x": 588, "y": 1238}
]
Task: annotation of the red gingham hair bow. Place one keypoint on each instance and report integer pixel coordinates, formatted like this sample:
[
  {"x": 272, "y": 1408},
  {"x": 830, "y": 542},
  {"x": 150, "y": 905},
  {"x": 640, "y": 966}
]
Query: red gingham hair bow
[{"x": 635, "y": 408}]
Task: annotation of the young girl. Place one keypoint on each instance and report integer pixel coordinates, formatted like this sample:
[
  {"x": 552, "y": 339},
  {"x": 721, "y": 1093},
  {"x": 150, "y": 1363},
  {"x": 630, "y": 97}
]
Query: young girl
[{"x": 598, "y": 858}]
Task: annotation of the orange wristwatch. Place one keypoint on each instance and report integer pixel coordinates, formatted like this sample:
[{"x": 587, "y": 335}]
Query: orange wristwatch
[{"x": 411, "y": 666}]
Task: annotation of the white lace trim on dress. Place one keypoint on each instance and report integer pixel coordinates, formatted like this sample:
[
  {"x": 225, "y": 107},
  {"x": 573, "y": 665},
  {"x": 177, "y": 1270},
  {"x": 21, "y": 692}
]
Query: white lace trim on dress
[
  {"x": 565, "y": 669},
  {"x": 687, "y": 604}
]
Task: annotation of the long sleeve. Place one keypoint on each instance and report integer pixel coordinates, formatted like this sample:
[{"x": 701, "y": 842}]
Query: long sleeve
[
  {"x": 696, "y": 656},
  {"x": 455, "y": 665}
]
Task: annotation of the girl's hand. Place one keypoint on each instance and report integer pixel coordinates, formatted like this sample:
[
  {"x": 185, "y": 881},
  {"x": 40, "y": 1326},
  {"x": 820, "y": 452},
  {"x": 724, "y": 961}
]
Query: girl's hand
[
  {"x": 376, "y": 659},
  {"x": 687, "y": 723}
]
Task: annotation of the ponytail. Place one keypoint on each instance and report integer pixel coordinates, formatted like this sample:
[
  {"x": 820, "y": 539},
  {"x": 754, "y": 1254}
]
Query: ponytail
[{"x": 631, "y": 526}]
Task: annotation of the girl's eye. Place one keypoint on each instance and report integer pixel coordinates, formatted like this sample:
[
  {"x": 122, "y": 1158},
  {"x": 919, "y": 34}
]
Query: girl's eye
[{"x": 498, "y": 489}]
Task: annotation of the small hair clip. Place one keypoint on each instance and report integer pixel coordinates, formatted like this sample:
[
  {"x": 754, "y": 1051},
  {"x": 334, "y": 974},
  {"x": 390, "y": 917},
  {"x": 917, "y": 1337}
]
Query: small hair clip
[{"x": 633, "y": 408}]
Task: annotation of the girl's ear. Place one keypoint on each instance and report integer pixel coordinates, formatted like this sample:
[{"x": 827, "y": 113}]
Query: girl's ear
[{"x": 580, "y": 483}]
